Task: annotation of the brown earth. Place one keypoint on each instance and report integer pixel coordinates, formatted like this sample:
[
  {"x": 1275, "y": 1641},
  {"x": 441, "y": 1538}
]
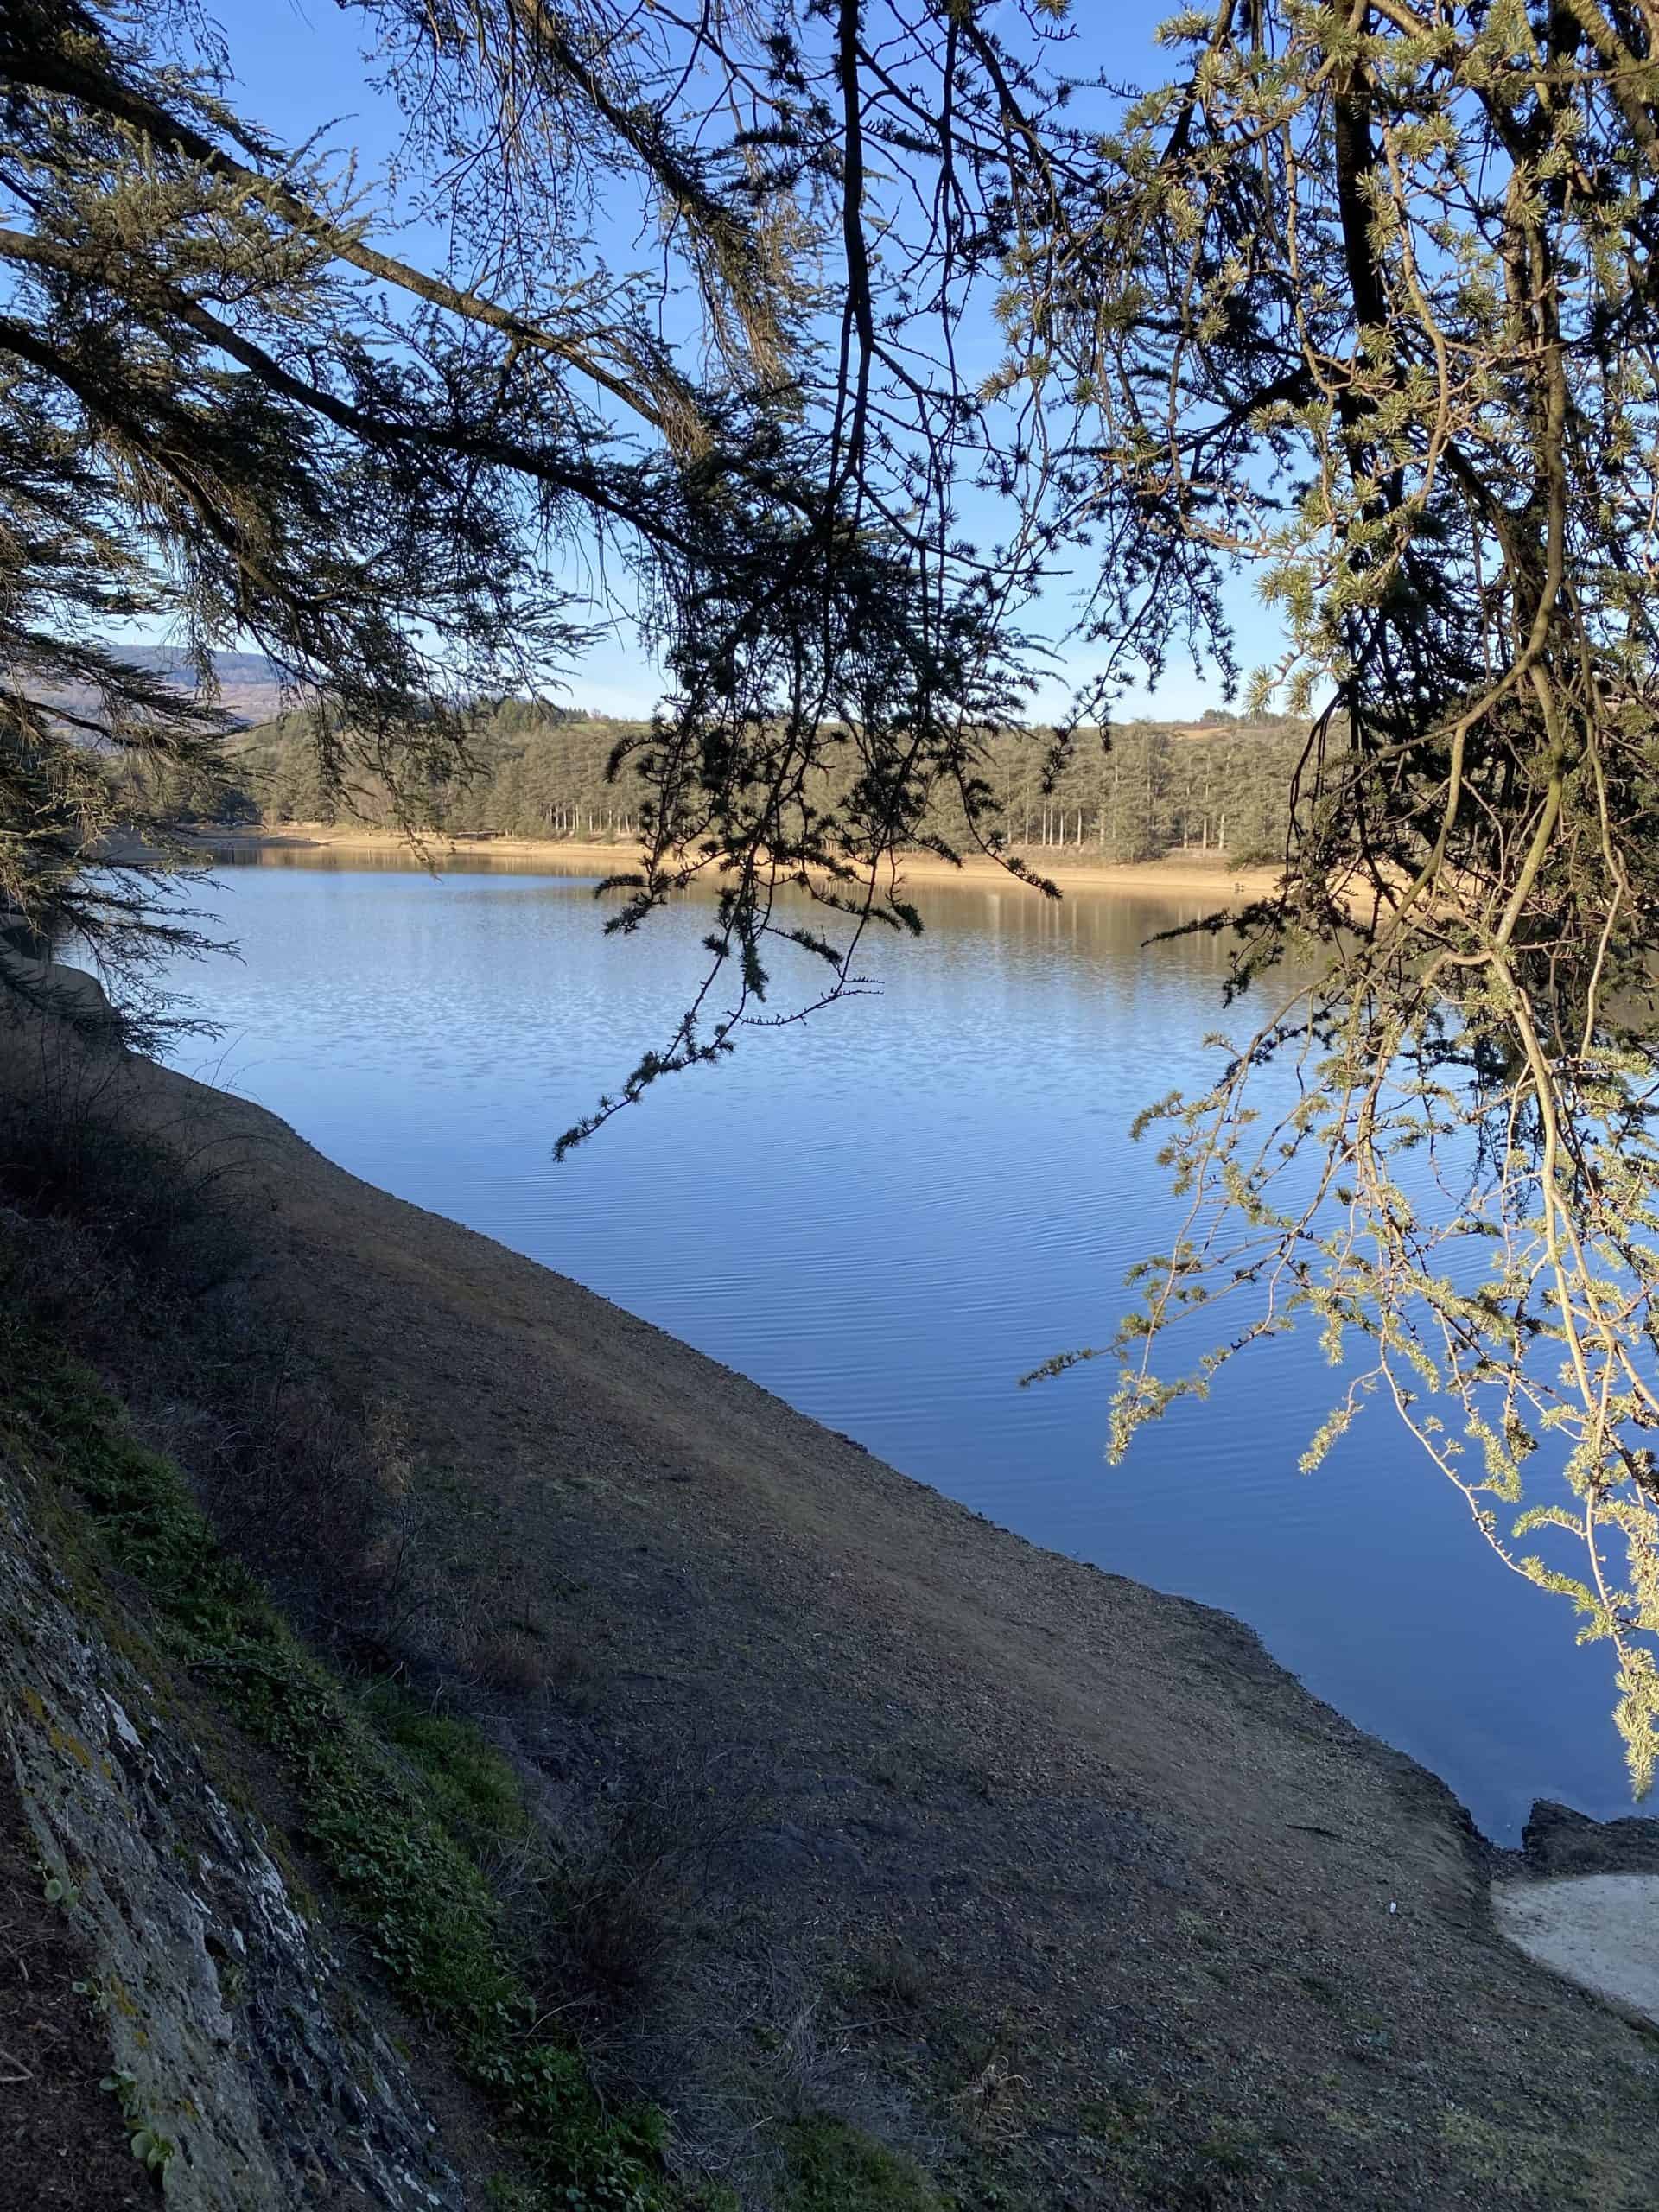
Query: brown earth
[
  {"x": 63, "y": 2147},
  {"x": 1062, "y": 1882}
]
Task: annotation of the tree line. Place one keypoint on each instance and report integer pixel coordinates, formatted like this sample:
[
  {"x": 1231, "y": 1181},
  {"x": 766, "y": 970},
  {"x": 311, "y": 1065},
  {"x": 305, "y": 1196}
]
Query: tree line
[{"x": 1134, "y": 793}]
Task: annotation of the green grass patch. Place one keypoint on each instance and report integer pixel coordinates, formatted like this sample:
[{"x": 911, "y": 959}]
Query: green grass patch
[
  {"x": 836, "y": 2168},
  {"x": 464, "y": 1780},
  {"x": 396, "y": 1802}
]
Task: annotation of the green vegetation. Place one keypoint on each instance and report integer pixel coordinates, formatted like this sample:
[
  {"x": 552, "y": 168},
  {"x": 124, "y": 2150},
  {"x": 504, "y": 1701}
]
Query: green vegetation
[
  {"x": 397, "y": 1804},
  {"x": 468, "y": 1786},
  {"x": 835, "y": 2168},
  {"x": 151, "y": 2149},
  {"x": 1147, "y": 789}
]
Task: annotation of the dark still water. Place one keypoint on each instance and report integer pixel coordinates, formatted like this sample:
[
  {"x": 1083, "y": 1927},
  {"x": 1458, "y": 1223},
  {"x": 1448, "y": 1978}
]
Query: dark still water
[{"x": 886, "y": 1217}]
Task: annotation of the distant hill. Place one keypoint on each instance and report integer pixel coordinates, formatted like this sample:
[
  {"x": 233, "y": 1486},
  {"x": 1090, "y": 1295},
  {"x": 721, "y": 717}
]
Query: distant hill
[
  {"x": 249, "y": 687},
  {"x": 250, "y": 691}
]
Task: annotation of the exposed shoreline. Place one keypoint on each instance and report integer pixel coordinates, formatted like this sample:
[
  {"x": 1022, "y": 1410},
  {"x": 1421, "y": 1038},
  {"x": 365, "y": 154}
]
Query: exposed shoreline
[
  {"x": 1182, "y": 876},
  {"x": 1124, "y": 1914}
]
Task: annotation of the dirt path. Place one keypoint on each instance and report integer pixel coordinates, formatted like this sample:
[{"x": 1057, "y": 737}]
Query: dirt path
[{"x": 1089, "y": 1896}]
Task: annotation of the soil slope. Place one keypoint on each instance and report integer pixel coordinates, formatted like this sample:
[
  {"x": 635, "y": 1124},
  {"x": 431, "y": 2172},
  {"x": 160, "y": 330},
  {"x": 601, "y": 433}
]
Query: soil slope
[{"x": 1070, "y": 1883}]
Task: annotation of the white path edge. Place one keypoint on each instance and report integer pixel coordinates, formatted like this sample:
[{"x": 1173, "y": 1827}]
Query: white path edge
[{"x": 1600, "y": 1930}]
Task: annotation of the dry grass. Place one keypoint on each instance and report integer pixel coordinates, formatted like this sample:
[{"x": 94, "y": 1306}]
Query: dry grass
[
  {"x": 515, "y": 1660},
  {"x": 120, "y": 1236},
  {"x": 612, "y": 1892}
]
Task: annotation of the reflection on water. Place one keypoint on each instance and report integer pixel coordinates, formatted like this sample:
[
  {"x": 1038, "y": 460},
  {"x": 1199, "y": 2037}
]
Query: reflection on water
[{"x": 888, "y": 1215}]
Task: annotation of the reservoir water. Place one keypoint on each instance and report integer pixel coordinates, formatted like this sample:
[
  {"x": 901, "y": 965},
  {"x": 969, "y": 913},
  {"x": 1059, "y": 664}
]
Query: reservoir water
[{"x": 888, "y": 1215}]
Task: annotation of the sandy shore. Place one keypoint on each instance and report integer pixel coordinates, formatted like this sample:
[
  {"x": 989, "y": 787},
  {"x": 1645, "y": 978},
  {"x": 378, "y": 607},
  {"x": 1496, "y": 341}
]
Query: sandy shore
[{"x": 1182, "y": 875}]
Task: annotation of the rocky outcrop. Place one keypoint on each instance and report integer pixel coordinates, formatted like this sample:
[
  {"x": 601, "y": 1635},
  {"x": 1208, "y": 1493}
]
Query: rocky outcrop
[
  {"x": 1557, "y": 1840},
  {"x": 247, "y": 2073}
]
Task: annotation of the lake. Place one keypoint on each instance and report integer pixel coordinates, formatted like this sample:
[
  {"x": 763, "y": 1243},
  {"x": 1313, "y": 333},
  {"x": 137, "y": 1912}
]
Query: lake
[{"x": 888, "y": 1215}]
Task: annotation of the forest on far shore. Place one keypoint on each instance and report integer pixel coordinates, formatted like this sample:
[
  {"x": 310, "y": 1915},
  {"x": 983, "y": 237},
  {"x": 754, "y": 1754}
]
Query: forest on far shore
[{"x": 1136, "y": 792}]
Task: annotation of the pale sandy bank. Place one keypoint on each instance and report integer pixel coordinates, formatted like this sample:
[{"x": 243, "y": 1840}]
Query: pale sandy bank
[{"x": 1185, "y": 875}]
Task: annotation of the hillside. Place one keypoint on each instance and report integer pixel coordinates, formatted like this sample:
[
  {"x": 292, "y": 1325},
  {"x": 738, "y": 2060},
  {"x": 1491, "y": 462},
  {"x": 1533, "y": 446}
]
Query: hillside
[
  {"x": 249, "y": 689},
  {"x": 863, "y": 1839}
]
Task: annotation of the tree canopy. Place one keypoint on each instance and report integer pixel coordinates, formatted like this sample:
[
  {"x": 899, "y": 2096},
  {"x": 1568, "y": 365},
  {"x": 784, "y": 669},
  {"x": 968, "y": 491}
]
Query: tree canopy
[
  {"x": 1365, "y": 299},
  {"x": 1360, "y": 302},
  {"x": 539, "y": 772},
  {"x": 230, "y": 411}
]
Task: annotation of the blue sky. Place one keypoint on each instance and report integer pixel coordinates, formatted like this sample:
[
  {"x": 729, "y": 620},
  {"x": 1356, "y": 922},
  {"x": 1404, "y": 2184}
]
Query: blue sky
[{"x": 300, "y": 67}]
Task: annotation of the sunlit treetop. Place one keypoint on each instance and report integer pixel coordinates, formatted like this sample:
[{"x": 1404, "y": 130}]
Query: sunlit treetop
[{"x": 1364, "y": 302}]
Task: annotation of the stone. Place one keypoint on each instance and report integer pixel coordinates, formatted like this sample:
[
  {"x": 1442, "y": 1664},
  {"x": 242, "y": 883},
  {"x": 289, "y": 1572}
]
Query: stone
[{"x": 226, "y": 2010}]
